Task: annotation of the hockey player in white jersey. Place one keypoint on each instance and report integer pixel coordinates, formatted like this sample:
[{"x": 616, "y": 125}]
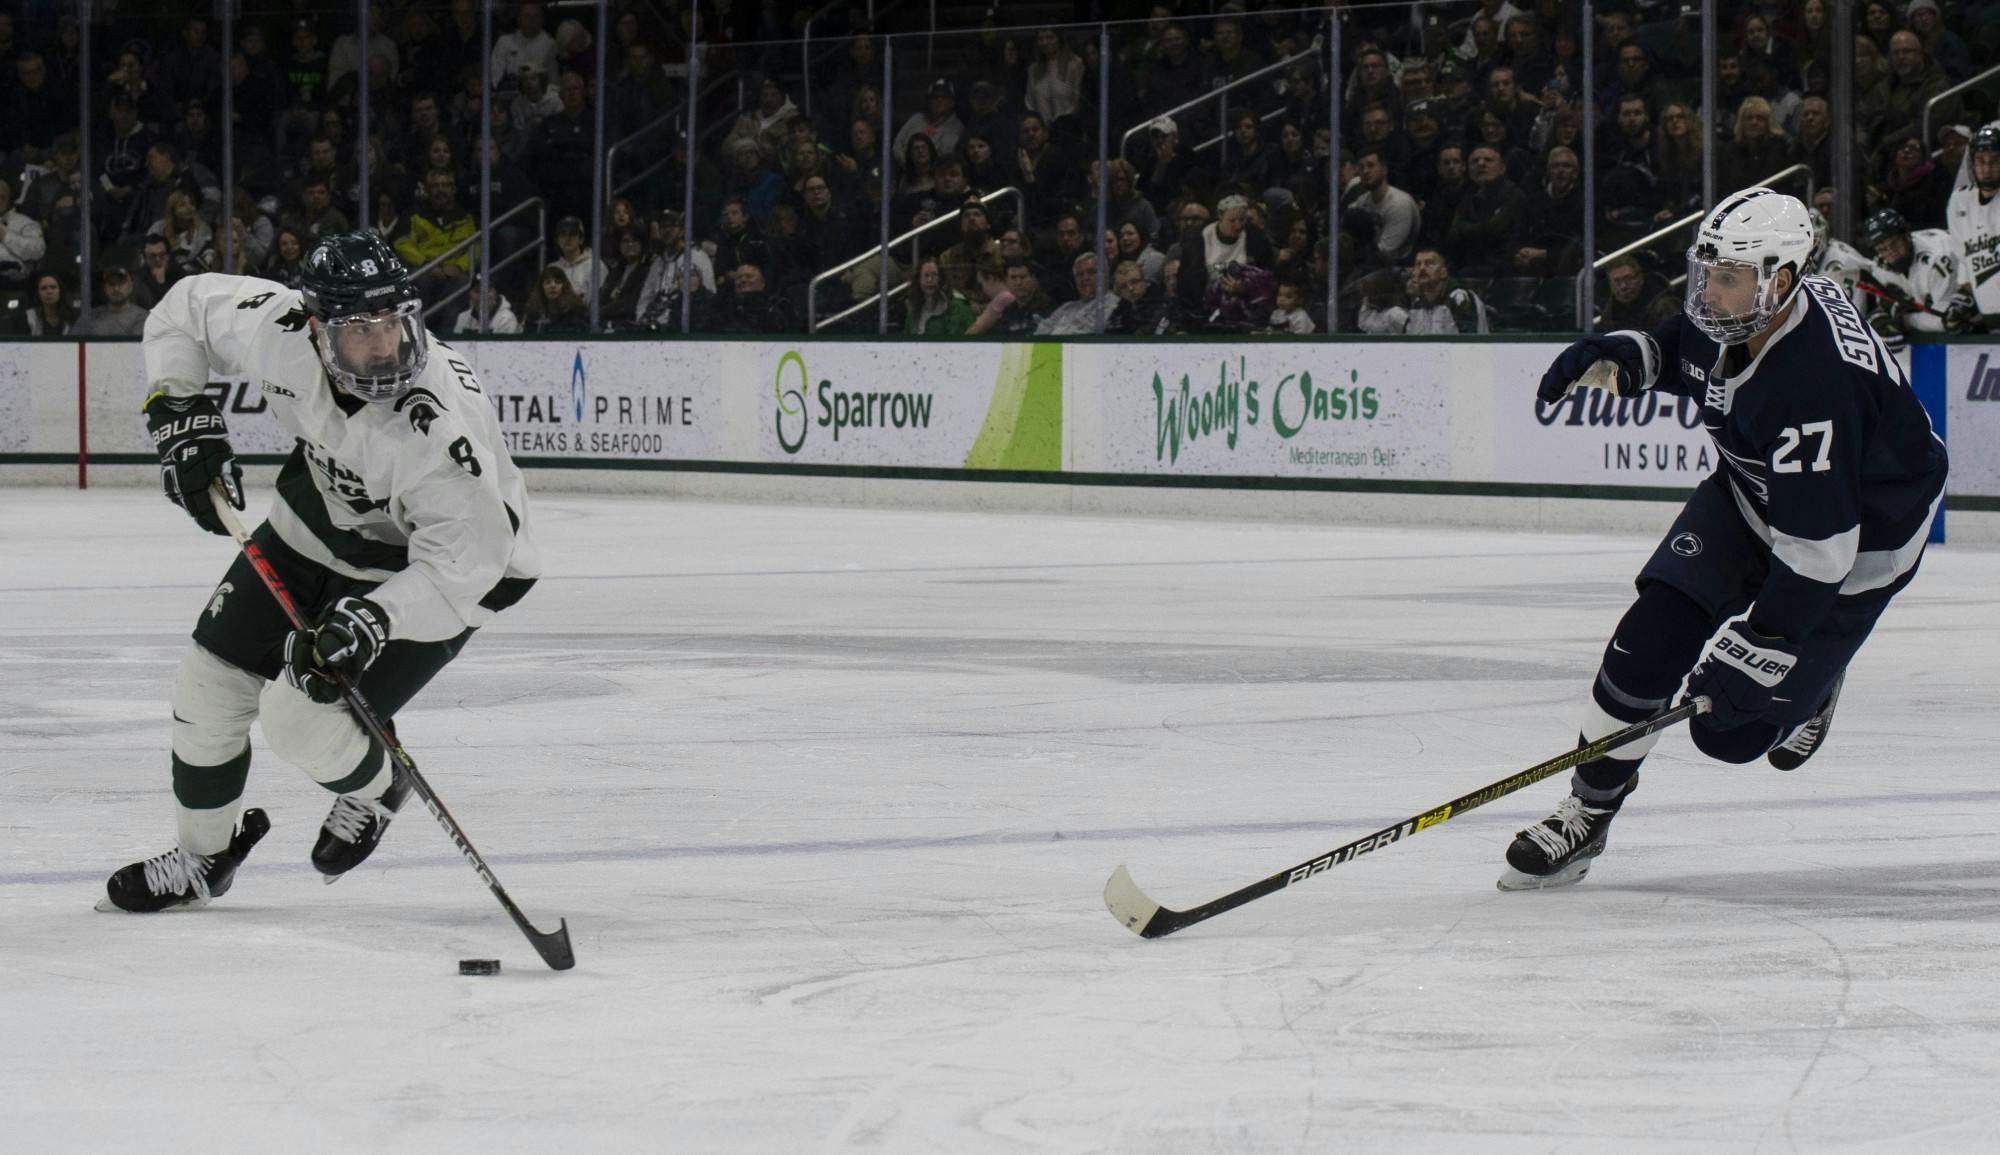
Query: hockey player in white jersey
[
  {"x": 1973, "y": 217},
  {"x": 400, "y": 527},
  {"x": 1915, "y": 274}
]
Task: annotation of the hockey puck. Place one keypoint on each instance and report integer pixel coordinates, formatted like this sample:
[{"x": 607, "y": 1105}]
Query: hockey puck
[{"x": 479, "y": 966}]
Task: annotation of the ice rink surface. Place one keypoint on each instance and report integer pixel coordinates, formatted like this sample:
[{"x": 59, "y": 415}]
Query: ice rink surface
[{"x": 829, "y": 796}]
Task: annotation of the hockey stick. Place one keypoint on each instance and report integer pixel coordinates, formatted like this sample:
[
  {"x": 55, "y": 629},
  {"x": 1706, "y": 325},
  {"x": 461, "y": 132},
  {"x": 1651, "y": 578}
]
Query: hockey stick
[
  {"x": 553, "y": 945},
  {"x": 1148, "y": 919}
]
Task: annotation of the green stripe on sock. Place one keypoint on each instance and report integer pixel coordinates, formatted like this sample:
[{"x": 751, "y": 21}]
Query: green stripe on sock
[{"x": 211, "y": 787}]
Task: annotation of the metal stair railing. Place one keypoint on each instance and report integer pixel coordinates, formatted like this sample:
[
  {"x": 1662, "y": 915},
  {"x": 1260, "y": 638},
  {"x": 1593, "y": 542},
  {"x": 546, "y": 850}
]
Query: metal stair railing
[{"x": 813, "y": 324}]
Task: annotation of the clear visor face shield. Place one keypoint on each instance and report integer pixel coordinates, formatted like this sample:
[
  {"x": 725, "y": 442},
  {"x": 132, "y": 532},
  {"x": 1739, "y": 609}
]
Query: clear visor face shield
[
  {"x": 1730, "y": 301},
  {"x": 376, "y": 356}
]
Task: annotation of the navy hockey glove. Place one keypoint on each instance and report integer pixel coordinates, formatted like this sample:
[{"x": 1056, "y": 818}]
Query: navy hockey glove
[
  {"x": 1636, "y": 354},
  {"x": 1741, "y": 670},
  {"x": 193, "y": 443},
  {"x": 346, "y": 640}
]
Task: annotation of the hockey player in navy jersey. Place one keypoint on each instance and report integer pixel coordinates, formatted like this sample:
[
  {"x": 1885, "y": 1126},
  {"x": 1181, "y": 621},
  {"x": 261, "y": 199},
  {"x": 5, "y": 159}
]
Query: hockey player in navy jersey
[{"x": 1777, "y": 568}]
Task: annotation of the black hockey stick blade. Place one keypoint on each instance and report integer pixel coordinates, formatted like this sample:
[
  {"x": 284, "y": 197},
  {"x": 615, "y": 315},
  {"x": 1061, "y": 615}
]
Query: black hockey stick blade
[
  {"x": 552, "y": 945},
  {"x": 1148, "y": 919}
]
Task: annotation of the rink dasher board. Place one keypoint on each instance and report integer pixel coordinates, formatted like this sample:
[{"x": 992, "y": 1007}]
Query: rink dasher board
[{"x": 1422, "y": 418}]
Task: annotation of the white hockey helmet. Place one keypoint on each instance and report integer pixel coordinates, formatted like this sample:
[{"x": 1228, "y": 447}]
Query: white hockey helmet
[{"x": 1732, "y": 289}]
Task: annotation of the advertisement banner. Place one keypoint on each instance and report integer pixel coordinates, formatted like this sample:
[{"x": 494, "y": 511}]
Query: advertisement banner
[
  {"x": 17, "y": 394},
  {"x": 1592, "y": 437},
  {"x": 618, "y": 400},
  {"x": 1361, "y": 410},
  {"x": 118, "y": 387},
  {"x": 945, "y": 406},
  {"x": 1972, "y": 419}
]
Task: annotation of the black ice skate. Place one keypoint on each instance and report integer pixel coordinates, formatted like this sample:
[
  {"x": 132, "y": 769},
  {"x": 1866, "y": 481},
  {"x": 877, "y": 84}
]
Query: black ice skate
[
  {"x": 1803, "y": 742},
  {"x": 354, "y": 826},
  {"x": 1559, "y": 849},
  {"x": 179, "y": 879}
]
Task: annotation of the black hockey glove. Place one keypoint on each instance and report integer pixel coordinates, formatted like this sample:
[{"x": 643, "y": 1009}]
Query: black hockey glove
[
  {"x": 1889, "y": 327},
  {"x": 1741, "y": 670},
  {"x": 1961, "y": 314},
  {"x": 1635, "y": 354},
  {"x": 346, "y": 640},
  {"x": 193, "y": 444}
]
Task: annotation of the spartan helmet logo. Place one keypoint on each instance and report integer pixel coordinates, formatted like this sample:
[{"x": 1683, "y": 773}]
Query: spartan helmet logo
[{"x": 215, "y": 603}]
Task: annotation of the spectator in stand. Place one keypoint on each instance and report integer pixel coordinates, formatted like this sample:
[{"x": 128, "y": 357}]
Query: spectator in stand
[
  {"x": 1518, "y": 109},
  {"x": 774, "y": 117},
  {"x": 1240, "y": 299},
  {"x": 1493, "y": 132},
  {"x": 1940, "y": 43},
  {"x": 164, "y": 176},
  {"x": 1448, "y": 188},
  {"x": 1913, "y": 80},
  {"x": 527, "y": 47},
  {"x": 1911, "y": 183},
  {"x": 1206, "y": 251},
  {"x": 562, "y": 151},
  {"x": 117, "y": 316},
  {"x": 1372, "y": 83},
  {"x": 436, "y": 226},
  {"x": 40, "y": 110},
  {"x": 316, "y": 217},
  {"x": 1548, "y": 244},
  {"x": 1171, "y": 169},
  {"x": 1124, "y": 202},
  {"x": 1438, "y": 303},
  {"x": 1393, "y": 215},
  {"x": 933, "y": 308},
  {"x": 1290, "y": 315},
  {"x": 988, "y": 120},
  {"x": 21, "y": 242},
  {"x": 421, "y": 135},
  {"x": 1079, "y": 316},
  {"x": 1677, "y": 162},
  {"x": 1016, "y": 304},
  {"x": 1814, "y": 145},
  {"x": 1070, "y": 242},
  {"x": 741, "y": 241},
  {"x": 836, "y": 98},
  {"x": 984, "y": 170},
  {"x": 1055, "y": 78},
  {"x": 753, "y": 308},
  {"x": 1757, "y": 150},
  {"x": 659, "y": 298},
  {"x": 1423, "y": 139},
  {"x": 1378, "y": 129},
  {"x": 575, "y": 259},
  {"x": 554, "y": 306},
  {"x": 49, "y": 313},
  {"x": 533, "y": 102},
  {"x": 288, "y": 254},
  {"x": 1526, "y": 52},
  {"x": 624, "y": 279},
  {"x": 939, "y": 120},
  {"x": 1135, "y": 247},
  {"x": 190, "y": 241},
  {"x": 916, "y": 180},
  {"x": 1047, "y": 176},
  {"x": 1145, "y": 301},
  {"x": 1247, "y": 159},
  {"x": 827, "y": 236},
  {"x": 1487, "y": 219},
  {"x": 1634, "y": 303},
  {"x": 759, "y": 185},
  {"x": 1628, "y": 193},
  {"x": 959, "y": 264}
]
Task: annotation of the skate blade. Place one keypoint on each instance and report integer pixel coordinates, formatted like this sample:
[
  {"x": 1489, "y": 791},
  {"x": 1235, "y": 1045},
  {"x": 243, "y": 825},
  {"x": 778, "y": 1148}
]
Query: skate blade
[
  {"x": 329, "y": 879},
  {"x": 1570, "y": 875},
  {"x": 106, "y": 906}
]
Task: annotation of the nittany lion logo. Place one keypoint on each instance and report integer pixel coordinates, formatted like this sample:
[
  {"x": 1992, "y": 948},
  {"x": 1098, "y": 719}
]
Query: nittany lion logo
[
  {"x": 423, "y": 406},
  {"x": 215, "y": 603},
  {"x": 1686, "y": 545}
]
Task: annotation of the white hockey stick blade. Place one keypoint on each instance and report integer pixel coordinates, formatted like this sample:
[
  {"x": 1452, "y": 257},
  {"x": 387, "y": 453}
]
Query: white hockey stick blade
[
  {"x": 1127, "y": 903},
  {"x": 1602, "y": 375}
]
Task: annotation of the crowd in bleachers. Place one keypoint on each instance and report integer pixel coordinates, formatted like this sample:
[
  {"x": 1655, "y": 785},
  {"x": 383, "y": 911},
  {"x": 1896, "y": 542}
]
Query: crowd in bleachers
[{"x": 1460, "y": 202}]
